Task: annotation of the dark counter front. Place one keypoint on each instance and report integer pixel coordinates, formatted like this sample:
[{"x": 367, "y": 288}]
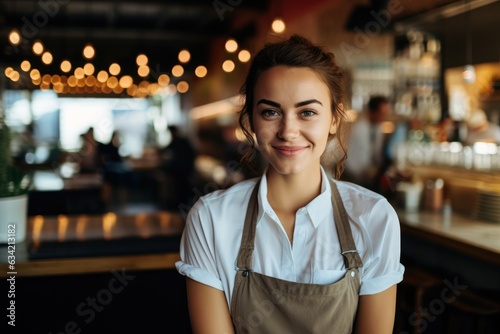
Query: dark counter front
[
  {"x": 453, "y": 245},
  {"x": 99, "y": 274}
]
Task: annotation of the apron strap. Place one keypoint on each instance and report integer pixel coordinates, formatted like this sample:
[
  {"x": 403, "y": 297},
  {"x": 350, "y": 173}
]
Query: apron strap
[
  {"x": 347, "y": 246},
  {"x": 248, "y": 237}
]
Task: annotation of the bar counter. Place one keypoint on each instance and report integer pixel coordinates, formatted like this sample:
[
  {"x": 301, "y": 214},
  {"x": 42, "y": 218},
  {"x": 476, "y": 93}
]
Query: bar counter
[
  {"x": 78, "y": 244},
  {"x": 82, "y": 244}
]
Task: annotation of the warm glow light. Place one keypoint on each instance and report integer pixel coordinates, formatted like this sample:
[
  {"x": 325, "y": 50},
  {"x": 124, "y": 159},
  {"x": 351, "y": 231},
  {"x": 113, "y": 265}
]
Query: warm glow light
[
  {"x": 46, "y": 78},
  {"x": 47, "y": 58},
  {"x": 182, "y": 87},
  {"x": 90, "y": 81},
  {"x": 14, "y": 37},
  {"x": 200, "y": 71},
  {"x": 37, "y": 230},
  {"x": 228, "y": 66},
  {"x": 112, "y": 82},
  {"x": 231, "y": 45},
  {"x": 88, "y": 51},
  {"x": 25, "y": 66},
  {"x": 15, "y": 76},
  {"x": 244, "y": 56},
  {"x": 55, "y": 79},
  {"x": 143, "y": 71},
  {"x": 177, "y": 71},
  {"x": 35, "y": 74},
  {"x": 88, "y": 69},
  {"x": 38, "y": 48},
  {"x": 72, "y": 81},
  {"x": 108, "y": 221},
  {"x": 59, "y": 88},
  {"x": 278, "y": 25},
  {"x": 81, "y": 223},
  {"x": 184, "y": 56},
  {"x": 62, "y": 225},
  {"x": 65, "y": 66},
  {"x": 114, "y": 69},
  {"x": 163, "y": 80},
  {"x": 79, "y": 73},
  {"x": 126, "y": 81},
  {"x": 141, "y": 60},
  {"x": 8, "y": 71},
  {"x": 102, "y": 76}
]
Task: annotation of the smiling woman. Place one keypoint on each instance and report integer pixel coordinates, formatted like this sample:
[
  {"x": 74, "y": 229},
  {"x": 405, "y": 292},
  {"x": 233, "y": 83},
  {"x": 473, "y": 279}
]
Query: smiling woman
[{"x": 312, "y": 254}]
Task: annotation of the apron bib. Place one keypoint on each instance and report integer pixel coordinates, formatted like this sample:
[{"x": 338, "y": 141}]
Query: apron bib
[{"x": 264, "y": 304}]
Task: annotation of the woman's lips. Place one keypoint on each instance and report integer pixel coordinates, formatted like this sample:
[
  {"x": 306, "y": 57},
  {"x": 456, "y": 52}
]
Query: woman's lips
[{"x": 289, "y": 151}]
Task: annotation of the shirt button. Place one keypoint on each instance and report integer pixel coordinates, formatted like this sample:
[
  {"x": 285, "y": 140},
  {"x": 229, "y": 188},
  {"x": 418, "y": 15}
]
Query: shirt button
[{"x": 353, "y": 274}]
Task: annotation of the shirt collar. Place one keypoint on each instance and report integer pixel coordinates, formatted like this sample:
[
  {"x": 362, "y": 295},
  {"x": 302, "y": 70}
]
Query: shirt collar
[{"x": 317, "y": 209}]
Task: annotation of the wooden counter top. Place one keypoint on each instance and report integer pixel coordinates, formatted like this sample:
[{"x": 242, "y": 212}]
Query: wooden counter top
[
  {"x": 79, "y": 244},
  {"x": 480, "y": 239}
]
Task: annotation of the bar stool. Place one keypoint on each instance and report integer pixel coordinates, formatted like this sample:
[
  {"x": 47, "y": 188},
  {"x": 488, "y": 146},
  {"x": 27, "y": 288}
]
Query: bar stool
[
  {"x": 481, "y": 312},
  {"x": 417, "y": 287}
]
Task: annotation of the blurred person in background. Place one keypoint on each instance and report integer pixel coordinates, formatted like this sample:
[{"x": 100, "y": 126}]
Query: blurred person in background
[
  {"x": 367, "y": 158},
  {"x": 178, "y": 164}
]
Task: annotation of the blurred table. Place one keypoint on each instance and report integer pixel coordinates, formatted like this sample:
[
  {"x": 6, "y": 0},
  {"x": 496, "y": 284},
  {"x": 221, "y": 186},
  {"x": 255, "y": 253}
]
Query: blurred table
[
  {"x": 52, "y": 194},
  {"x": 78, "y": 244}
]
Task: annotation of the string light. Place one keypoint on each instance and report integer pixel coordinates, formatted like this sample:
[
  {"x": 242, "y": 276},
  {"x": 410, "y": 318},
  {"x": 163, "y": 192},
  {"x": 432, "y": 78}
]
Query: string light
[
  {"x": 278, "y": 25},
  {"x": 184, "y": 56},
  {"x": 14, "y": 37},
  {"x": 89, "y": 51},
  {"x": 65, "y": 66},
  {"x": 141, "y": 60},
  {"x": 25, "y": 66},
  {"x": 200, "y": 71},
  {"x": 177, "y": 71},
  {"x": 231, "y": 45},
  {"x": 38, "y": 48},
  {"x": 228, "y": 66},
  {"x": 47, "y": 58},
  {"x": 244, "y": 56}
]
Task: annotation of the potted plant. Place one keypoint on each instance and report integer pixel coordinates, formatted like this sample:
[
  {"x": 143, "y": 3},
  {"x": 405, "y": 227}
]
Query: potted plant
[{"x": 15, "y": 184}]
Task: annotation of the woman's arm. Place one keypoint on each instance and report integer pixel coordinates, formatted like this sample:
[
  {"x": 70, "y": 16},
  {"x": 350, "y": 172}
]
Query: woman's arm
[
  {"x": 376, "y": 312},
  {"x": 208, "y": 309}
]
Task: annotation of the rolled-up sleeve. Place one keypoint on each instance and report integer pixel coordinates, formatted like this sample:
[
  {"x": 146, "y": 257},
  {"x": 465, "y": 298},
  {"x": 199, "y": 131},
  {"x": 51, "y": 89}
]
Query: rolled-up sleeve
[{"x": 197, "y": 249}]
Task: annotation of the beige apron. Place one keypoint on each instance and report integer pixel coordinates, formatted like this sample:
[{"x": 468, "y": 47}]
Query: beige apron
[{"x": 264, "y": 304}]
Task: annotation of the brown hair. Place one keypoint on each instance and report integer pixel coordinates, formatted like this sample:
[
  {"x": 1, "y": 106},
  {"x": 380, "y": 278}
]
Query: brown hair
[{"x": 296, "y": 51}]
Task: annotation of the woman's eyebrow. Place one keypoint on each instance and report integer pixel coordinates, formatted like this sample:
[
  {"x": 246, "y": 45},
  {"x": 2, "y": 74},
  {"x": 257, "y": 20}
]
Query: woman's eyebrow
[
  {"x": 299, "y": 104},
  {"x": 305, "y": 103},
  {"x": 271, "y": 103}
]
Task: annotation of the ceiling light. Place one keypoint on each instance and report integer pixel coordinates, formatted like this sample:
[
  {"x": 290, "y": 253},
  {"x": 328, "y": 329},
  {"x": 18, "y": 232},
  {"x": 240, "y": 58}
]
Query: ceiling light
[
  {"x": 102, "y": 76},
  {"x": 200, "y": 71},
  {"x": 35, "y": 74},
  {"x": 177, "y": 71},
  {"x": 89, "y": 51},
  {"x": 126, "y": 81},
  {"x": 182, "y": 87},
  {"x": 47, "y": 58},
  {"x": 79, "y": 73},
  {"x": 25, "y": 66},
  {"x": 38, "y": 48},
  {"x": 114, "y": 69},
  {"x": 88, "y": 69},
  {"x": 278, "y": 25},
  {"x": 141, "y": 60},
  {"x": 14, "y": 76},
  {"x": 231, "y": 45},
  {"x": 8, "y": 71},
  {"x": 228, "y": 66},
  {"x": 14, "y": 37},
  {"x": 163, "y": 80},
  {"x": 143, "y": 71},
  {"x": 184, "y": 56},
  {"x": 65, "y": 66},
  {"x": 244, "y": 56}
]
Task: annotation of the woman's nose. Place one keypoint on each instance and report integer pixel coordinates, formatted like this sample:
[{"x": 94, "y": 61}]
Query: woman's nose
[{"x": 289, "y": 129}]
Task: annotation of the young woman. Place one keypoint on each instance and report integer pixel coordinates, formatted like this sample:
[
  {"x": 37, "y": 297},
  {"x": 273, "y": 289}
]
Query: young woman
[{"x": 292, "y": 251}]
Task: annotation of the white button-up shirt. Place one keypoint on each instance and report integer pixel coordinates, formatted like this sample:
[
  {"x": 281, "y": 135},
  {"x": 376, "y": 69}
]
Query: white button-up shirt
[{"x": 212, "y": 237}]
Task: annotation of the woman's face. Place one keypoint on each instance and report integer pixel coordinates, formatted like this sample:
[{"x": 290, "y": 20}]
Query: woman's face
[{"x": 292, "y": 118}]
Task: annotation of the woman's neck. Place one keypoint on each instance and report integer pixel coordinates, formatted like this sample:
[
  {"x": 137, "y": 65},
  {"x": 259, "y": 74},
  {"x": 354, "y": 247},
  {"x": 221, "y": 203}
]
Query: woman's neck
[{"x": 289, "y": 193}]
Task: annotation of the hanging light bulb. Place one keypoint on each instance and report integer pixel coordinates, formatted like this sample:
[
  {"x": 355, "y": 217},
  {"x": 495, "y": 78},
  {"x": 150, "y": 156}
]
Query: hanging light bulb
[
  {"x": 469, "y": 73},
  {"x": 278, "y": 25}
]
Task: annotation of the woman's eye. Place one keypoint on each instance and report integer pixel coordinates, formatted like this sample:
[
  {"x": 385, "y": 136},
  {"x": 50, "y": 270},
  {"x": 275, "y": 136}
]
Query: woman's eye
[
  {"x": 269, "y": 112},
  {"x": 307, "y": 113}
]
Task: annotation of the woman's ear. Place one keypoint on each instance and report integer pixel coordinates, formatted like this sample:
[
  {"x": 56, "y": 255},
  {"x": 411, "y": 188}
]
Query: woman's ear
[{"x": 334, "y": 125}]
